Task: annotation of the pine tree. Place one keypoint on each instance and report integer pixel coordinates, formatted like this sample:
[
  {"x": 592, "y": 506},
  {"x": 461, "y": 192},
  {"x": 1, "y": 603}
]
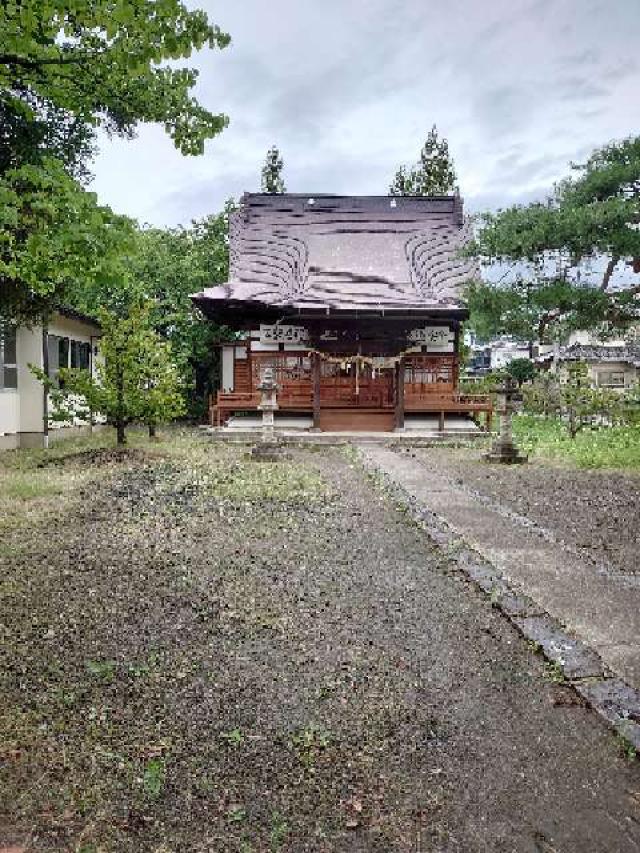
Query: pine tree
[
  {"x": 433, "y": 174},
  {"x": 272, "y": 181},
  {"x": 401, "y": 183}
]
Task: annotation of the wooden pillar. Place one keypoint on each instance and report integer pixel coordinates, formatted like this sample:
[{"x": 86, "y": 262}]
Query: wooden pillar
[
  {"x": 315, "y": 376},
  {"x": 45, "y": 389},
  {"x": 456, "y": 357},
  {"x": 399, "y": 393}
]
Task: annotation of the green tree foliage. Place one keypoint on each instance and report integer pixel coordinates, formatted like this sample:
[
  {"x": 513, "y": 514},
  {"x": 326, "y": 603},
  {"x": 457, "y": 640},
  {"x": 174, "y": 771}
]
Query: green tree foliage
[
  {"x": 136, "y": 377},
  {"x": 573, "y": 396},
  {"x": 272, "y": 180},
  {"x": 33, "y": 130},
  {"x": 54, "y": 237},
  {"x": 590, "y": 221},
  {"x": 527, "y": 307},
  {"x": 166, "y": 266},
  {"x": 105, "y": 62},
  {"x": 542, "y": 396},
  {"x": 171, "y": 265},
  {"x": 521, "y": 369},
  {"x": 433, "y": 174},
  {"x": 67, "y": 68},
  {"x": 581, "y": 401}
]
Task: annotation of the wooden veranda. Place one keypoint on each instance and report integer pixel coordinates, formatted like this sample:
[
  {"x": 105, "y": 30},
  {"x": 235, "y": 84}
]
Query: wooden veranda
[{"x": 348, "y": 394}]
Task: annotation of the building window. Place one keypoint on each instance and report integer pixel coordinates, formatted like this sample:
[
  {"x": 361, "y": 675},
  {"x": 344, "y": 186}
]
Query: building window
[
  {"x": 66, "y": 352},
  {"x": 80, "y": 355},
  {"x": 57, "y": 350},
  {"x": 611, "y": 378},
  {"x": 8, "y": 358}
]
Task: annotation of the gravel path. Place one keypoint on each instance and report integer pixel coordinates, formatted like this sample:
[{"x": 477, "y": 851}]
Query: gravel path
[
  {"x": 597, "y": 512},
  {"x": 205, "y": 654}
]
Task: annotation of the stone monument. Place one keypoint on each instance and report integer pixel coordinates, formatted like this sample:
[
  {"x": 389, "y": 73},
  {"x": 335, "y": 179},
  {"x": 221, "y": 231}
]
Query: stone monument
[
  {"x": 269, "y": 449},
  {"x": 503, "y": 448}
]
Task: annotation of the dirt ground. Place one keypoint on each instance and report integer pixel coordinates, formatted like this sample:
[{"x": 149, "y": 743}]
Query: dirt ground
[
  {"x": 595, "y": 512},
  {"x": 204, "y": 653}
]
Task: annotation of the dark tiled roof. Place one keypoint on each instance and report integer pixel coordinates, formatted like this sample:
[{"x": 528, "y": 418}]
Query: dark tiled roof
[
  {"x": 595, "y": 352},
  {"x": 345, "y": 253}
]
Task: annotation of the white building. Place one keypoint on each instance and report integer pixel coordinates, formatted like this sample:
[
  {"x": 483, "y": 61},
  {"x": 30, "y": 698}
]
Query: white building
[
  {"x": 505, "y": 350},
  {"x": 71, "y": 341},
  {"x": 493, "y": 355}
]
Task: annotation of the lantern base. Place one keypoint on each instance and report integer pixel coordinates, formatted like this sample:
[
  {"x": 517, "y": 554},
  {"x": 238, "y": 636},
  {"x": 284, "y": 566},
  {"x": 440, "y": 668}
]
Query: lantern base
[
  {"x": 268, "y": 451},
  {"x": 508, "y": 454}
]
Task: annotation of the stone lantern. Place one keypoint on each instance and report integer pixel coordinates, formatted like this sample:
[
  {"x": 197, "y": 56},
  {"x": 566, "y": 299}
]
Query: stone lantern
[
  {"x": 503, "y": 448},
  {"x": 269, "y": 449},
  {"x": 268, "y": 403}
]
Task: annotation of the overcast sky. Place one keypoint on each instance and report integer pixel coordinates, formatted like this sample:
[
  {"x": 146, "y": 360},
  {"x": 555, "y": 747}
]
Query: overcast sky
[{"x": 348, "y": 90}]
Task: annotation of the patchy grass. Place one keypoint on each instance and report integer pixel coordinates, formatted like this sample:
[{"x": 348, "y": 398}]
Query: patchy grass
[
  {"x": 108, "y": 628},
  {"x": 32, "y": 495},
  {"x": 309, "y": 743},
  {"x": 605, "y": 447},
  {"x": 202, "y": 652},
  {"x": 153, "y": 778},
  {"x": 236, "y": 479},
  {"x": 25, "y": 487},
  {"x": 36, "y": 485}
]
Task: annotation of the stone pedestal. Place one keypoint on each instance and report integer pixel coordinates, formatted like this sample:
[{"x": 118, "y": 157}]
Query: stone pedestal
[
  {"x": 503, "y": 449},
  {"x": 268, "y": 451}
]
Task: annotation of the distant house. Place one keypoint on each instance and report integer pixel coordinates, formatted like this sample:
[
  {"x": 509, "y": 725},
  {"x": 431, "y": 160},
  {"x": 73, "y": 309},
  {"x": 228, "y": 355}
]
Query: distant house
[
  {"x": 71, "y": 340},
  {"x": 506, "y": 350},
  {"x": 479, "y": 360},
  {"x": 609, "y": 365},
  {"x": 485, "y": 357}
]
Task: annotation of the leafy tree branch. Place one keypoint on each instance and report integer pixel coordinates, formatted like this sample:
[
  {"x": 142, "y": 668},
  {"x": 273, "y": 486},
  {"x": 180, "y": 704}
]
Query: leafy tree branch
[{"x": 591, "y": 221}]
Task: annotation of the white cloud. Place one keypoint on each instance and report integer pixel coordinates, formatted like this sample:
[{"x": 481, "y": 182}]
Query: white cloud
[{"x": 349, "y": 88}]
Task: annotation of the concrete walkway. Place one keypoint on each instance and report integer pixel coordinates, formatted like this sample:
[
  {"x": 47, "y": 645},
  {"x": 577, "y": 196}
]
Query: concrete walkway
[{"x": 592, "y": 607}]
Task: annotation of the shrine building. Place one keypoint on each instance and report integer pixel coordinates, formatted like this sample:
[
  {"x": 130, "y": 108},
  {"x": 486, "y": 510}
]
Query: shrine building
[{"x": 354, "y": 301}]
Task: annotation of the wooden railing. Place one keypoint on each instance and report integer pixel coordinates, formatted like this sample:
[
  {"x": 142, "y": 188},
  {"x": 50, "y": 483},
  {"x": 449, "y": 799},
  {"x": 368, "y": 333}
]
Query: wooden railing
[
  {"x": 300, "y": 398},
  {"x": 430, "y": 386},
  {"x": 432, "y": 401}
]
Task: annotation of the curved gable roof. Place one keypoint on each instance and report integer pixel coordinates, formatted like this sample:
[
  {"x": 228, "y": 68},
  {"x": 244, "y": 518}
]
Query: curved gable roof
[{"x": 346, "y": 253}]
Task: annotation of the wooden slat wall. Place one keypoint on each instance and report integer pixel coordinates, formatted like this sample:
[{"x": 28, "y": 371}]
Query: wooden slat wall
[{"x": 242, "y": 376}]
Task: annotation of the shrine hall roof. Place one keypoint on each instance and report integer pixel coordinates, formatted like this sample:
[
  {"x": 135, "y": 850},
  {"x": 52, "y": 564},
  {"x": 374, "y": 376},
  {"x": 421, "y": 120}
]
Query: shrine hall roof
[{"x": 319, "y": 254}]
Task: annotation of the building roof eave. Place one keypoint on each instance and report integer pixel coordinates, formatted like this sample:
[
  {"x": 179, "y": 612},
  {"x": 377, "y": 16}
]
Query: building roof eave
[
  {"x": 225, "y": 309},
  {"x": 72, "y": 314}
]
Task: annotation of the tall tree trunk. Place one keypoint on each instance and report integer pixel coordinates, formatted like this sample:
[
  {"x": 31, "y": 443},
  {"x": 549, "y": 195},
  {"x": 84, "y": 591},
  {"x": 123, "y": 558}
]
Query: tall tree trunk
[
  {"x": 120, "y": 417},
  {"x": 573, "y": 426},
  {"x": 152, "y": 431},
  {"x": 45, "y": 393},
  {"x": 609, "y": 272},
  {"x": 542, "y": 326}
]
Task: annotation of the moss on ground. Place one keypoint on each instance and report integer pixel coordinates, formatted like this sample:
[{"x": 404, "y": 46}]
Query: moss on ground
[{"x": 593, "y": 447}]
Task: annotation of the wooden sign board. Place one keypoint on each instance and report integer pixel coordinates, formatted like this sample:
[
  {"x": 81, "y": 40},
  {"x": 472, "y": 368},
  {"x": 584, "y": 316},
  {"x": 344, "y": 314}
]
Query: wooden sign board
[
  {"x": 435, "y": 338},
  {"x": 281, "y": 334}
]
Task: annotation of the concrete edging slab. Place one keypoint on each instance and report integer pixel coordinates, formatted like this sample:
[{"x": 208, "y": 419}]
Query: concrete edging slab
[{"x": 613, "y": 699}]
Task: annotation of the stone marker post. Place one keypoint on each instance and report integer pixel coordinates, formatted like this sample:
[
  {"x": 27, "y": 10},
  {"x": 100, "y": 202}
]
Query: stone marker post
[
  {"x": 269, "y": 449},
  {"x": 503, "y": 448},
  {"x": 268, "y": 403}
]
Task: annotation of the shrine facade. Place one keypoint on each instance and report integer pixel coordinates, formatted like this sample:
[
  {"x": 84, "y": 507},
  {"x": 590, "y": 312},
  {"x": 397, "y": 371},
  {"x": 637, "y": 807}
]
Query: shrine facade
[{"x": 353, "y": 302}]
